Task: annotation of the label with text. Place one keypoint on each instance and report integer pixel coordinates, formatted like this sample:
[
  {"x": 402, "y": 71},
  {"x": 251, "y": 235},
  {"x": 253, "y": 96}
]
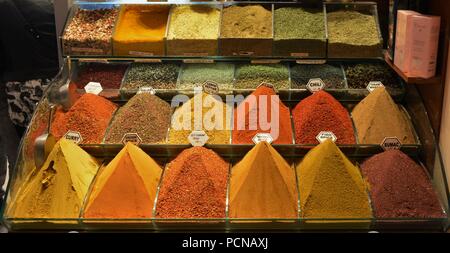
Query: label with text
[
  {"x": 198, "y": 138},
  {"x": 373, "y": 85},
  {"x": 390, "y": 143},
  {"x": 131, "y": 137},
  {"x": 315, "y": 85},
  {"x": 211, "y": 87},
  {"x": 93, "y": 88},
  {"x": 73, "y": 136},
  {"x": 325, "y": 135},
  {"x": 198, "y": 61},
  {"x": 262, "y": 137},
  {"x": 146, "y": 89},
  {"x": 309, "y": 61}
]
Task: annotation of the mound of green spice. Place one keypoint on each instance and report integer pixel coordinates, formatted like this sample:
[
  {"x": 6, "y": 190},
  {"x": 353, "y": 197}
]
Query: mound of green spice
[
  {"x": 298, "y": 23},
  {"x": 250, "y": 76},
  {"x": 194, "y": 75},
  {"x": 158, "y": 76}
]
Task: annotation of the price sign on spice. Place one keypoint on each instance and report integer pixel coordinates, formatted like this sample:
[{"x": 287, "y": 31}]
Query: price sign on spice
[
  {"x": 131, "y": 137},
  {"x": 324, "y": 135},
  {"x": 315, "y": 85},
  {"x": 198, "y": 138},
  {"x": 73, "y": 136},
  {"x": 390, "y": 143},
  {"x": 149, "y": 90},
  {"x": 211, "y": 87},
  {"x": 373, "y": 85},
  {"x": 262, "y": 137},
  {"x": 93, "y": 88}
]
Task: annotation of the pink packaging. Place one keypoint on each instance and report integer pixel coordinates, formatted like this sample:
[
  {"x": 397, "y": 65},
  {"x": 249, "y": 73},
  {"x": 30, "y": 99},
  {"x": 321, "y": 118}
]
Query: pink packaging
[
  {"x": 403, "y": 39},
  {"x": 424, "y": 46}
]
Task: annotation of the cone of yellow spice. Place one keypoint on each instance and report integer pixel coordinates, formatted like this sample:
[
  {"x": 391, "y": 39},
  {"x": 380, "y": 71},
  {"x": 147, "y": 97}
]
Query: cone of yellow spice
[
  {"x": 58, "y": 189},
  {"x": 140, "y": 30},
  {"x": 262, "y": 185},
  {"x": 331, "y": 186}
]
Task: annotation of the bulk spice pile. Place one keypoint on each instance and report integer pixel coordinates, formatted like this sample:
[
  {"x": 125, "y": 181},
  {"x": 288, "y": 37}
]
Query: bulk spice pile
[
  {"x": 157, "y": 76},
  {"x": 140, "y": 30},
  {"x": 180, "y": 197},
  {"x": 250, "y": 76},
  {"x": 252, "y": 21},
  {"x": 199, "y": 24},
  {"x": 359, "y": 75},
  {"x": 187, "y": 118},
  {"x": 251, "y": 109},
  {"x": 126, "y": 187},
  {"x": 331, "y": 75},
  {"x": 352, "y": 34},
  {"x": 144, "y": 114},
  {"x": 108, "y": 75},
  {"x": 321, "y": 112},
  {"x": 262, "y": 185},
  {"x": 194, "y": 75},
  {"x": 90, "y": 32},
  {"x": 377, "y": 116},
  {"x": 89, "y": 116}
]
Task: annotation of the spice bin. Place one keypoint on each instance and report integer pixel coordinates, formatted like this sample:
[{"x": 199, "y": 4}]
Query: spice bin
[
  {"x": 234, "y": 42},
  {"x": 89, "y": 30},
  {"x": 362, "y": 40},
  {"x": 305, "y": 39}
]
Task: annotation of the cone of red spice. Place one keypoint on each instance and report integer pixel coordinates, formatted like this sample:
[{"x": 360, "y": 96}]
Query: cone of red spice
[
  {"x": 90, "y": 116},
  {"x": 284, "y": 128},
  {"x": 399, "y": 187},
  {"x": 321, "y": 112},
  {"x": 194, "y": 185}
]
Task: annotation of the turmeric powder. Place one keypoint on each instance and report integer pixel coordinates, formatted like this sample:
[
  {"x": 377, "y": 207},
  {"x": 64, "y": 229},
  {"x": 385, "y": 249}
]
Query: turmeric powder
[{"x": 140, "y": 30}]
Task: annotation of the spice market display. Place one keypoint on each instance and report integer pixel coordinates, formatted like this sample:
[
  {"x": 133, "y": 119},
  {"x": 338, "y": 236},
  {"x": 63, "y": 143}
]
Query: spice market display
[{"x": 227, "y": 116}]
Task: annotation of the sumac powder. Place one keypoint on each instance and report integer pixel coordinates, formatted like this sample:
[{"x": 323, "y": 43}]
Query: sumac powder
[
  {"x": 108, "y": 75},
  {"x": 321, "y": 112},
  {"x": 399, "y": 187}
]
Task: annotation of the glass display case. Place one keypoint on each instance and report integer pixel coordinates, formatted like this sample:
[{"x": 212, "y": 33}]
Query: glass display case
[{"x": 124, "y": 73}]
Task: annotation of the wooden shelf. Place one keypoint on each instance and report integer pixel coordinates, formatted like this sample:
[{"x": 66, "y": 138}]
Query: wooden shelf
[{"x": 411, "y": 80}]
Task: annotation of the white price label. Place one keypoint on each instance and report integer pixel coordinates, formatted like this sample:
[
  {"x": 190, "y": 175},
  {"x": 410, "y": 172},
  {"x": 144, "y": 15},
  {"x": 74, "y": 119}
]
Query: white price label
[
  {"x": 262, "y": 137},
  {"x": 211, "y": 87},
  {"x": 146, "y": 90},
  {"x": 315, "y": 85},
  {"x": 93, "y": 88},
  {"x": 266, "y": 84},
  {"x": 390, "y": 143},
  {"x": 373, "y": 85},
  {"x": 73, "y": 136},
  {"x": 198, "y": 138},
  {"x": 131, "y": 137},
  {"x": 325, "y": 135}
]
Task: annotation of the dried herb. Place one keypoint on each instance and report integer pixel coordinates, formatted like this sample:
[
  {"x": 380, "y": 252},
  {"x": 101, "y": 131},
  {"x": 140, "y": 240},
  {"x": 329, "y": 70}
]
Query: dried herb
[
  {"x": 252, "y": 21},
  {"x": 331, "y": 75},
  {"x": 194, "y": 75},
  {"x": 359, "y": 75},
  {"x": 287, "y": 25},
  {"x": 250, "y": 76},
  {"x": 158, "y": 76}
]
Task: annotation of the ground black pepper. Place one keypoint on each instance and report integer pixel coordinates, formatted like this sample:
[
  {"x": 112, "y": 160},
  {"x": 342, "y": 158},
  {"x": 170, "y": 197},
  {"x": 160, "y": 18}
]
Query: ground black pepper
[{"x": 359, "y": 75}]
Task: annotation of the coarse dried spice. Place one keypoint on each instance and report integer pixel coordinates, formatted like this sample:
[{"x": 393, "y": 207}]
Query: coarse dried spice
[
  {"x": 352, "y": 34},
  {"x": 262, "y": 185},
  {"x": 90, "y": 32},
  {"x": 250, "y": 76},
  {"x": 89, "y": 116},
  {"x": 331, "y": 75},
  {"x": 359, "y": 75},
  {"x": 321, "y": 112},
  {"x": 213, "y": 117},
  {"x": 377, "y": 116},
  {"x": 287, "y": 25},
  {"x": 194, "y": 75},
  {"x": 248, "y": 118},
  {"x": 252, "y": 21},
  {"x": 155, "y": 75},
  {"x": 400, "y": 188},
  {"x": 331, "y": 186},
  {"x": 108, "y": 75},
  {"x": 140, "y": 30},
  {"x": 194, "y": 186},
  {"x": 144, "y": 114}
]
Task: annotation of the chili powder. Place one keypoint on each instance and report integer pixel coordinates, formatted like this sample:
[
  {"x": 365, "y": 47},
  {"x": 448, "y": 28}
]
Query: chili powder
[
  {"x": 321, "y": 112},
  {"x": 194, "y": 185},
  {"x": 108, "y": 75}
]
